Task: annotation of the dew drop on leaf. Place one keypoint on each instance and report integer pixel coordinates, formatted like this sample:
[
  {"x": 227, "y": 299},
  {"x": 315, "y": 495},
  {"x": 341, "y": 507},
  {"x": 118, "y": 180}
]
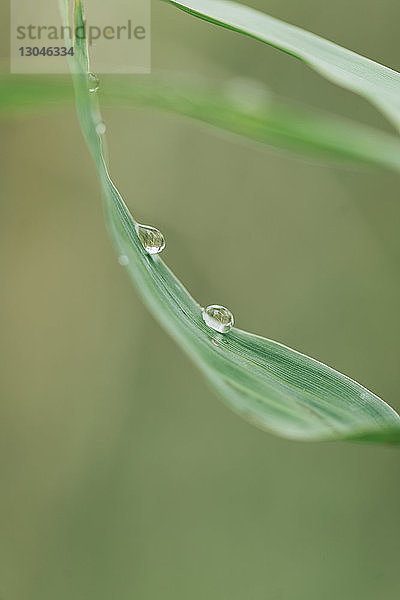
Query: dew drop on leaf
[
  {"x": 152, "y": 239},
  {"x": 101, "y": 128},
  {"x": 218, "y": 317},
  {"x": 123, "y": 260},
  {"x": 93, "y": 82}
]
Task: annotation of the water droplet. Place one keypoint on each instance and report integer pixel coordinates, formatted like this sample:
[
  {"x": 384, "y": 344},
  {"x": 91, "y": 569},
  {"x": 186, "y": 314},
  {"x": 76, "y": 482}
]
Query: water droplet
[
  {"x": 152, "y": 239},
  {"x": 123, "y": 260},
  {"x": 218, "y": 317},
  {"x": 93, "y": 82},
  {"x": 248, "y": 94},
  {"x": 101, "y": 128}
]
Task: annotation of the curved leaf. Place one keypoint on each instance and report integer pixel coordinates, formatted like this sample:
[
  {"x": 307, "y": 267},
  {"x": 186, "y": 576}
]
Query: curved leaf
[
  {"x": 267, "y": 383},
  {"x": 377, "y": 83}
]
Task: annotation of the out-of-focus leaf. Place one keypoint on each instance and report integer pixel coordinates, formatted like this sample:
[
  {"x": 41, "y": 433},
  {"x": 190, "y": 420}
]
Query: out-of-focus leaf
[{"x": 272, "y": 123}]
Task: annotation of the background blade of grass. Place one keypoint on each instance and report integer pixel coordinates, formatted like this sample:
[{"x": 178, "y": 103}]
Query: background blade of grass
[
  {"x": 377, "y": 83},
  {"x": 273, "y": 123},
  {"x": 269, "y": 384}
]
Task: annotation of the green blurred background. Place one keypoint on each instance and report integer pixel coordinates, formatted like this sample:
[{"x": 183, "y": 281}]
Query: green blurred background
[{"x": 122, "y": 475}]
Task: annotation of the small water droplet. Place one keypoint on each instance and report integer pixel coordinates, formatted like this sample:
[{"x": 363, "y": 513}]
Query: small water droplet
[
  {"x": 101, "y": 128},
  {"x": 218, "y": 317},
  {"x": 93, "y": 82},
  {"x": 248, "y": 94},
  {"x": 152, "y": 239},
  {"x": 123, "y": 260}
]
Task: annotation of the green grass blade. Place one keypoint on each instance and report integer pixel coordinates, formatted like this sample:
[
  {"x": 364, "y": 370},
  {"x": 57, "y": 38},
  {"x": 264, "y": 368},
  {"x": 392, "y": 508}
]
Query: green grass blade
[
  {"x": 274, "y": 124},
  {"x": 377, "y": 83},
  {"x": 267, "y": 383}
]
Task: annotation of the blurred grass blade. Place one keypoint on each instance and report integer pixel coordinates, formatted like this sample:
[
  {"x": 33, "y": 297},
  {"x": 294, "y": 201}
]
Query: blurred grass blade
[
  {"x": 377, "y": 83},
  {"x": 272, "y": 123},
  {"x": 269, "y": 122},
  {"x": 27, "y": 94},
  {"x": 267, "y": 383}
]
